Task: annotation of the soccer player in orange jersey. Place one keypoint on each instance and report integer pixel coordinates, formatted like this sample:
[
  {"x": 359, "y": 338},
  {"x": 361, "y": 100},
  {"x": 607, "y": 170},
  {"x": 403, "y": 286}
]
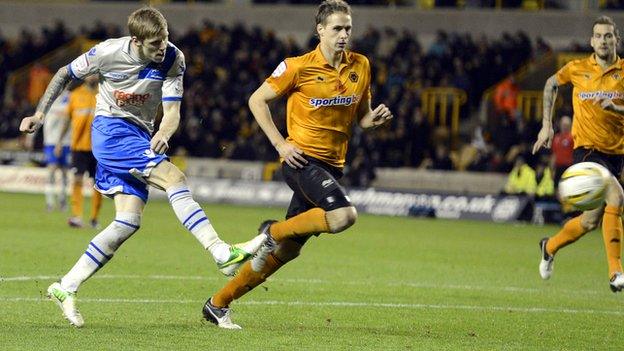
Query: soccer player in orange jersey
[
  {"x": 598, "y": 133},
  {"x": 81, "y": 109},
  {"x": 328, "y": 90}
]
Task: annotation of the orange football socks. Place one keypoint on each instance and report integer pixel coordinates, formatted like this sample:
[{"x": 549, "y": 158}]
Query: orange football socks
[
  {"x": 245, "y": 281},
  {"x": 612, "y": 236},
  {"x": 310, "y": 222},
  {"x": 76, "y": 200},
  {"x": 96, "y": 204},
  {"x": 570, "y": 233}
]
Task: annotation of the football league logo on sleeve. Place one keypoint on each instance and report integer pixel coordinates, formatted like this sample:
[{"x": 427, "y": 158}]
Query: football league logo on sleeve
[
  {"x": 279, "y": 70},
  {"x": 81, "y": 63}
]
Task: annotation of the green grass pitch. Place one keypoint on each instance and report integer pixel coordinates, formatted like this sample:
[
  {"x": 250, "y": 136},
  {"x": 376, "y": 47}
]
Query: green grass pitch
[{"x": 385, "y": 284}]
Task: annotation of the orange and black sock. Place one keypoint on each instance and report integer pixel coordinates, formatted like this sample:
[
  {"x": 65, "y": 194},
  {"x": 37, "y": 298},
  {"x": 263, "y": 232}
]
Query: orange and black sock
[
  {"x": 96, "y": 204},
  {"x": 76, "y": 200},
  {"x": 310, "y": 222},
  {"x": 612, "y": 236},
  {"x": 245, "y": 281},
  {"x": 570, "y": 233}
]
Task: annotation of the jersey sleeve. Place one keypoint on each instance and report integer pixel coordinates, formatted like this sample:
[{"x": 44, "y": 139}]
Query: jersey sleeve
[
  {"x": 564, "y": 75},
  {"x": 367, "y": 92},
  {"x": 173, "y": 87},
  {"x": 87, "y": 63},
  {"x": 284, "y": 77}
]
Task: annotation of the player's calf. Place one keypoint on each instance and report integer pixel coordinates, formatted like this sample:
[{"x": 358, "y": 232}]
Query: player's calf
[{"x": 101, "y": 249}]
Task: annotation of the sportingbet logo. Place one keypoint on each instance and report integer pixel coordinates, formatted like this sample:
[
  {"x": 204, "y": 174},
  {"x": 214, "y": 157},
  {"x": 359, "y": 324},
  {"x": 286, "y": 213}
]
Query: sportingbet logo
[
  {"x": 335, "y": 101},
  {"x": 123, "y": 98},
  {"x": 599, "y": 95}
]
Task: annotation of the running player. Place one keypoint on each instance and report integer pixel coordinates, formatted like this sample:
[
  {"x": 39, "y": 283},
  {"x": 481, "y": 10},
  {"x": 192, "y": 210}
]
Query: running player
[
  {"x": 136, "y": 73},
  {"x": 328, "y": 90},
  {"x": 56, "y": 152},
  {"x": 598, "y": 133},
  {"x": 80, "y": 110}
]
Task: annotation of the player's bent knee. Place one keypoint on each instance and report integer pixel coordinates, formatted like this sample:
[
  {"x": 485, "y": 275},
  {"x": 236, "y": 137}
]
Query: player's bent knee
[
  {"x": 591, "y": 219},
  {"x": 287, "y": 250},
  {"x": 341, "y": 218}
]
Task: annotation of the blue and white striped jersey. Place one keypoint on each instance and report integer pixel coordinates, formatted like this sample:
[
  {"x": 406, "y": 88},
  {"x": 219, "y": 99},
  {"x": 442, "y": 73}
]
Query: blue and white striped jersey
[{"x": 131, "y": 88}]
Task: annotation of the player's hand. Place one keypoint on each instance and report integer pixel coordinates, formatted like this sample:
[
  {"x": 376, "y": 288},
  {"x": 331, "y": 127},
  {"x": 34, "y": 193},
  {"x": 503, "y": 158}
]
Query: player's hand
[
  {"x": 159, "y": 143},
  {"x": 30, "y": 124},
  {"x": 58, "y": 150},
  {"x": 544, "y": 138},
  {"x": 607, "y": 105},
  {"x": 381, "y": 115},
  {"x": 292, "y": 155}
]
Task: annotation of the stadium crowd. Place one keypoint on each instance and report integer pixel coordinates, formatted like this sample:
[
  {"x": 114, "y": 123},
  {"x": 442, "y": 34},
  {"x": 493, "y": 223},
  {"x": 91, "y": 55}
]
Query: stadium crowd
[{"x": 225, "y": 63}]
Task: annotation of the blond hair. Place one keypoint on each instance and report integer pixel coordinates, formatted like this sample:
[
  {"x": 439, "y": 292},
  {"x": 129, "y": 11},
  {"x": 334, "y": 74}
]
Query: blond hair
[
  {"x": 146, "y": 22},
  {"x": 329, "y": 7}
]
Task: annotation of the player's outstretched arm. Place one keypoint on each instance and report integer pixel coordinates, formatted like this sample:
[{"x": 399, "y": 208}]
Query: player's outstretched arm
[
  {"x": 545, "y": 135},
  {"x": 55, "y": 87},
  {"x": 259, "y": 106},
  {"x": 168, "y": 126}
]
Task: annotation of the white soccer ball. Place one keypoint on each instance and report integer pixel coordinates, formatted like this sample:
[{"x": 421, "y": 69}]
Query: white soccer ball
[{"x": 583, "y": 185}]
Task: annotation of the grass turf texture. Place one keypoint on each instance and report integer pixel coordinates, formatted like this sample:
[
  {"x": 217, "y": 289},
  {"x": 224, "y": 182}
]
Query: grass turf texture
[{"x": 387, "y": 283}]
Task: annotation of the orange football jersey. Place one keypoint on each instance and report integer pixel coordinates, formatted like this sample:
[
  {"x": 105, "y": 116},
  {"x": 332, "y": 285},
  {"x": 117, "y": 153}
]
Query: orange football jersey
[
  {"x": 592, "y": 126},
  {"x": 322, "y": 101},
  {"x": 80, "y": 108}
]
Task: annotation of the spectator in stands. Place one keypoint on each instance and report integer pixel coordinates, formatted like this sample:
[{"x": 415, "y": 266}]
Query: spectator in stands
[
  {"x": 38, "y": 78},
  {"x": 521, "y": 179},
  {"x": 545, "y": 189},
  {"x": 562, "y": 147},
  {"x": 506, "y": 99},
  {"x": 419, "y": 138},
  {"x": 402, "y": 69},
  {"x": 440, "y": 160}
]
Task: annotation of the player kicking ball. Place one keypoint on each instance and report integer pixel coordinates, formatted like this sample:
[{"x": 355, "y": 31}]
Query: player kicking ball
[{"x": 136, "y": 73}]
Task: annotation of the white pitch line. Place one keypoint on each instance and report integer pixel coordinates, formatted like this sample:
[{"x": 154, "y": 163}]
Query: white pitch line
[
  {"x": 345, "y": 304},
  {"x": 314, "y": 281}
]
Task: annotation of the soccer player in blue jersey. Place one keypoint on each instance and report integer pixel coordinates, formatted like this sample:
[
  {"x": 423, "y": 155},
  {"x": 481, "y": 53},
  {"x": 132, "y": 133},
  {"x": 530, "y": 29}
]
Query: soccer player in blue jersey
[
  {"x": 137, "y": 73},
  {"x": 56, "y": 158}
]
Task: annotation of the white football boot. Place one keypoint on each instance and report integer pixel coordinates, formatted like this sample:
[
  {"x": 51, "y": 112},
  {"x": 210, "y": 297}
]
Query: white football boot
[
  {"x": 546, "y": 261},
  {"x": 66, "y": 300},
  {"x": 218, "y": 315}
]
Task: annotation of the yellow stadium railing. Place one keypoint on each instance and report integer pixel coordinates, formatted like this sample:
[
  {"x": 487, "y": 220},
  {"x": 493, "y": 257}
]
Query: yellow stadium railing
[
  {"x": 269, "y": 170},
  {"x": 530, "y": 104},
  {"x": 436, "y": 102}
]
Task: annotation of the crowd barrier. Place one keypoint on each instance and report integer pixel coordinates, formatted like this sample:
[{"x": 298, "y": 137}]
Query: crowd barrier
[{"x": 488, "y": 207}]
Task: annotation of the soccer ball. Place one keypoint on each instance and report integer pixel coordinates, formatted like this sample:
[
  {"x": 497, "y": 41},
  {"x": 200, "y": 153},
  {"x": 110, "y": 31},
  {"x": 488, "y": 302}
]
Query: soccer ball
[{"x": 583, "y": 185}]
